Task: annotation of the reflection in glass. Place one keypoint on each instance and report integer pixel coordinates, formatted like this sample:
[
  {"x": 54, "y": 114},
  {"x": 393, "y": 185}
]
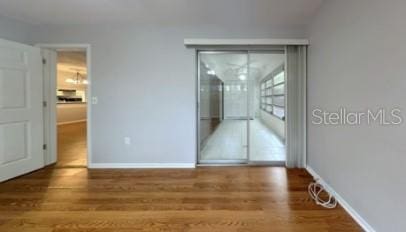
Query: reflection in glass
[
  {"x": 223, "y": 117},
  {"x": 267, "y": 128},
  {"x": 279, "y": 89},
  {"x": 242, "y": 107}
]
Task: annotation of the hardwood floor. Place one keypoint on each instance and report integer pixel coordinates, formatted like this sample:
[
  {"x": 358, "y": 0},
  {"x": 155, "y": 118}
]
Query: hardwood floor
[
  {"x": 72, "y": 148},
  {"x": 202, "y": 199}
]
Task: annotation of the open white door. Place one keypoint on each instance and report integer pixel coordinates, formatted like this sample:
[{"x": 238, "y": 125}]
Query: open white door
[{"x": 21, "y": 119}]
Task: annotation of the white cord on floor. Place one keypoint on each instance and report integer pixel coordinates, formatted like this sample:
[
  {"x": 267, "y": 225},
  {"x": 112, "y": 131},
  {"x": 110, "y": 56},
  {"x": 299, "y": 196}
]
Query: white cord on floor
[{"x": 315, "y": 189}]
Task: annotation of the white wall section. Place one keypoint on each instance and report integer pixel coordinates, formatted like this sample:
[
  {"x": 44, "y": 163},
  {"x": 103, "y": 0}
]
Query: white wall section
[{"x": 357, "y": 60}]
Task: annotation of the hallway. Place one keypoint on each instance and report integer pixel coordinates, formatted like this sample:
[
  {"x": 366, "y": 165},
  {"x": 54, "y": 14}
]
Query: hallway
[
  {"x": 229, "y": 142},
  {"x": 72, "y": 148}
]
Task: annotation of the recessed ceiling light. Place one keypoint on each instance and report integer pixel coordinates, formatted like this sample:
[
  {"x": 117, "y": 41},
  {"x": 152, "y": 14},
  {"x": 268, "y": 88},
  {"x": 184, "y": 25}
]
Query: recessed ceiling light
[{"x": 242, "y": 77}]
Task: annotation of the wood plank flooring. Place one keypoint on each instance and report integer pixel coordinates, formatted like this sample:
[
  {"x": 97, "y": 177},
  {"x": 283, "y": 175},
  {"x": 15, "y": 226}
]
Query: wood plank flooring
[
  {"x": 202, "y": 199},
  {"x": 72, "y": 145}
]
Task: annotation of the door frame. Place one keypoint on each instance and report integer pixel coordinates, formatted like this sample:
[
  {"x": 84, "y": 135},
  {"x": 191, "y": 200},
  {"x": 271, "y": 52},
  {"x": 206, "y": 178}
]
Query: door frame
[
  {"x": 51, "y": 157},
  {"x": 230, "y": 50}
]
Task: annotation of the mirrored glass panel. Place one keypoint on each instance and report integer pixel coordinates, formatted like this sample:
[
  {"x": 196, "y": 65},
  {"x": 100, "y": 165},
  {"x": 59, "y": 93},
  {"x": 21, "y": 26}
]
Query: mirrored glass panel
[
  {"x": 224, "y": 106},
  {"x": 242, "y": 107},
  {"x": 267, "y": 126}
]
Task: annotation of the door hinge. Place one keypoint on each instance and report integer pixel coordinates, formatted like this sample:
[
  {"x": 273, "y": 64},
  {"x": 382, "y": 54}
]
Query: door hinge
[
  {"x": 44, "y": 103},
  {"x": 44, "y": 61},
  {"x": 44, "y": 147}
]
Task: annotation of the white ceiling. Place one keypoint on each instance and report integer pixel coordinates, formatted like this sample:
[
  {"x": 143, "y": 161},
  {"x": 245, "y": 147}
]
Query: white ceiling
[
  {"x": 276, "y": 12},
  {"x": 228, "y": 66}
]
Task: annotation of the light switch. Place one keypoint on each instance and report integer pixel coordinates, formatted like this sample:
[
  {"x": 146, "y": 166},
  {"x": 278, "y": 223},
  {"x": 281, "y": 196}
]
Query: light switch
[
  {"x": 127, "y": 140},
  {"x": 94, "y": 100}
]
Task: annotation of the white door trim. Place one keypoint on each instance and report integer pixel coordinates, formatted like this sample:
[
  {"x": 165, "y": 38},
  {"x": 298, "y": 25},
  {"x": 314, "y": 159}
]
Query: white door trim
[
  {"x": 49, "y": 85},
  {"x": 70, "y": 47}
]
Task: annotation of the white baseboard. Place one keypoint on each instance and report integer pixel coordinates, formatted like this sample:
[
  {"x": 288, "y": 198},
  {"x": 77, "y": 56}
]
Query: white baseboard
[
  {"x": 141, "y": 165},
  {"x": 71, "y": 122},
  {"x": 364, "y": 224}
]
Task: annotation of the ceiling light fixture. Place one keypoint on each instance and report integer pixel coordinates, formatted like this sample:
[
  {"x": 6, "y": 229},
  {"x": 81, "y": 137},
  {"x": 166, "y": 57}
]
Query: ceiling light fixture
[
  {"x": 70, "y": 80},
  {"x": 77, "y": 80},
  {"x": 242, "y": 77},
  {"x": 211, "y": 72}
]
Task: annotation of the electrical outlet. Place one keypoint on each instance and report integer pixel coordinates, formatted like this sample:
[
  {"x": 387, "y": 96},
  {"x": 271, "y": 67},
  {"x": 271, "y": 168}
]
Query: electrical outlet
[{"x": 127, "y": 140}]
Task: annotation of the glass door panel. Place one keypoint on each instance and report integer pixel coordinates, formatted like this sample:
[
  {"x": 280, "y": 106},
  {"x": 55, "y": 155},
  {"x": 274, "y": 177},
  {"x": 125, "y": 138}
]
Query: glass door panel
[
  {"x": 267, "y": 92},
  {"x": 223, "y": 103}
]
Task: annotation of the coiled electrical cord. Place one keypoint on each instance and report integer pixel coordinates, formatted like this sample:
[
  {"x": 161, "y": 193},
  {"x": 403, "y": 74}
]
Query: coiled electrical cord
[{"x": 315, "y": 189}]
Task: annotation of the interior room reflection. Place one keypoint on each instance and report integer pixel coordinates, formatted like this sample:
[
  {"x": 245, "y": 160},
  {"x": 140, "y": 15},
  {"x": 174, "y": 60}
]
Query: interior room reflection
[{"x": 242, "y": 106}]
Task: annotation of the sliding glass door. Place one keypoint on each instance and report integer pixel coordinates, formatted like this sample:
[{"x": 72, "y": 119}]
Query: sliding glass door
[
  {"x": 241, "y": 107},
  {"x": 223, "y": 89},
  {"x": 267, "y": 126}
]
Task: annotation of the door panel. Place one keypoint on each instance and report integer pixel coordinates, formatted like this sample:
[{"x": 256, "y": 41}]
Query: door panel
[
  {"x": 267, "y": 126},
  {"x": 13, "y": 88},
  {"x": 21, "y": 122},
  {"x": 13, "y": 140},
  {"x": 223, "y": 91}
]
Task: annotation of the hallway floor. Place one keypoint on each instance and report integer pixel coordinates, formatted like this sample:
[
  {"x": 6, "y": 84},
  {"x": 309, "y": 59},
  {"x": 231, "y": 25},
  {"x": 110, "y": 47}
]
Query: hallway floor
[
  {"x": 229, "y": 142},
  {"x": 72, "y": 148}
]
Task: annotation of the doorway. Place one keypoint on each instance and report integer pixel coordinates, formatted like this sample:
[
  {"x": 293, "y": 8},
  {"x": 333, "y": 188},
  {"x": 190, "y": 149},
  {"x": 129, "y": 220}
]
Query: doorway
[
  {"x": 71, "y": 94},
  {"x": 67, "y": 108},
  {"x": 241, "y": 110}
]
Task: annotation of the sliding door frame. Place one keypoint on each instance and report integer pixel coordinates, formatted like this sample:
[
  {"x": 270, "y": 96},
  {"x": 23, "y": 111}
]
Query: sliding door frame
[{"x": 248, "y": 50}]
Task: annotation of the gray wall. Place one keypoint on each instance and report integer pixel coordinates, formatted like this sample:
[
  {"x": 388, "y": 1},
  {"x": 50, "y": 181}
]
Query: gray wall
[
  {"x": 16, "y": 31},
  {"x": 357, "y": 60},
  {"x": 144, "y": 78}
]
